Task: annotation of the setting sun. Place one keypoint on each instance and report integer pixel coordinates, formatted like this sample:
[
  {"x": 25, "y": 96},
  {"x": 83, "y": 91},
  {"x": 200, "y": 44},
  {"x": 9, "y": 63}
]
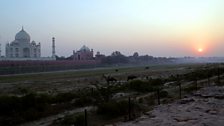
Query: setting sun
[{"x": 200, "y": 50}]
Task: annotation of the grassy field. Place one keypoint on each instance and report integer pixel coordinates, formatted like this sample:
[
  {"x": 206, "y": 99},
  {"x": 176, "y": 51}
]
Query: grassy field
[
  {"x": 76, "y": 79},
  {"x": 90, "y": 72}
]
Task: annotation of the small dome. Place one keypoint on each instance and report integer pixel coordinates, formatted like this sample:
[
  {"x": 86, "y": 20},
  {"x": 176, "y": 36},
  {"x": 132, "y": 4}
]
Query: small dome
[
  {"x": 84, "y": 49},
  {"x": 22, "y": 36}
]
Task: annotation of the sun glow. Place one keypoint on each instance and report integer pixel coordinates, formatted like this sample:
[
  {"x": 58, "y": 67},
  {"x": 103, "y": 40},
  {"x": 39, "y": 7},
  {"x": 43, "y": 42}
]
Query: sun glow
[{"x": 200, "y": 50}]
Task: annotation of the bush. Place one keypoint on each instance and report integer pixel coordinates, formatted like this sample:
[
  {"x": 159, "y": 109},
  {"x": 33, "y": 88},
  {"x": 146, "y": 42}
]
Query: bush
[
  {"x": 77, "y": 120},
  {"x": 140, "y": 100},
  {"x": 82, "y": 101},
  {"x": 163, "y": 94},
  {"x": 15, "y": 110},
  {"x": 190, "y": 88},
  {"x": 146, "y": 86},
  {"x": 64, "y": 97},
  {"x": 114, "y": 108},
  {"x": 9, "y": 104},
  {"x": 156, "y": 83},
  {"x": 140, "y": 86}
]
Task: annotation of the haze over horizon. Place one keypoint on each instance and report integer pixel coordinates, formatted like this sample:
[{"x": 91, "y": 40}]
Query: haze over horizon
[{"x": 159, "y": 28}]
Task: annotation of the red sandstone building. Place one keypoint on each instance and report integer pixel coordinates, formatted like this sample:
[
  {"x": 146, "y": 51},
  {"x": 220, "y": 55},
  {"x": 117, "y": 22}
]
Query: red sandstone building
[{"x": 83, "y": 54}]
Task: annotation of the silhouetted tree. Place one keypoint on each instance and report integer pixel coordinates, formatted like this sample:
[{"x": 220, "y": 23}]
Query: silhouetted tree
[
  {"x": 135, "y": 55},
  {"x": 115, "y": 58},
  {"x": 131, "y": 77}
]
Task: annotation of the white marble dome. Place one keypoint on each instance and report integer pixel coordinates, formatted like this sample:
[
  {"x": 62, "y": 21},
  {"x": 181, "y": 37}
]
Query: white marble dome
[
  {"x": 84, "y": 49},
  {"x": 22, "y": 36}
]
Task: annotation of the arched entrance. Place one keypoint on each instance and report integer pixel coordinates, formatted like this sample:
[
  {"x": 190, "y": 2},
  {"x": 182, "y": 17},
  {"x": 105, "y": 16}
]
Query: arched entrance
[{"x": 26, "y": 52}]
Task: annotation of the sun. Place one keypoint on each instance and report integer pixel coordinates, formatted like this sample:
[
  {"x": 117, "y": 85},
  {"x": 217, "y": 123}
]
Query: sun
[{"x": 200, "y": 50}]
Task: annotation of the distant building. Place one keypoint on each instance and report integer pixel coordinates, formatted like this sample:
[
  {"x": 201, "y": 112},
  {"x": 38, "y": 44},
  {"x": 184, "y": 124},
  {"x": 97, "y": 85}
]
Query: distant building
[
  {"x": 24, "y": 49},
  {"x": 21, "y": 47},
  {"x": 0, "y": 50},
  {"x": 83, "y": 54}
]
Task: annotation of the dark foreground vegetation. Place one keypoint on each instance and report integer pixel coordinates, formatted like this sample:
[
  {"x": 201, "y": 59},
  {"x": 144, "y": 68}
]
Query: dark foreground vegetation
[{"x": 141, "y": 94}]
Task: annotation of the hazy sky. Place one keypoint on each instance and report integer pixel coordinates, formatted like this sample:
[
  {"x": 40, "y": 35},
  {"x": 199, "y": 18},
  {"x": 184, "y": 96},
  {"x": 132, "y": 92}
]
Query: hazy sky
[{"x": 154, "y": 27}]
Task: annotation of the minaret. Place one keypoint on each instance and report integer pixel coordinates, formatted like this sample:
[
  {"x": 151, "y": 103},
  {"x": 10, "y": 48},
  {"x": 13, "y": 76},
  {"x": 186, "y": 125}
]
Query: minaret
[
  {"x": 0, "y": 51},
  {"x": 53, "y": 47}
]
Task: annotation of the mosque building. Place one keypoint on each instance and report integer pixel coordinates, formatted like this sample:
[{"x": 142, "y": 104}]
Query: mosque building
[{"x": 83, "y": 53}]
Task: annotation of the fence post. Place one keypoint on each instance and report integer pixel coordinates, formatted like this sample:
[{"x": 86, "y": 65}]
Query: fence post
[
  {"x": 158, "y": 97},
  {"x": 129, "y": 108},
  {"x": 179, "y": 89},
  {"x": 196, "y": 83},
  {"x": 208, "y": 78},
  {"x": 92, "y": 90},
  {"x": 218, "y": 75},
  {"x": 86, "y": 118},
  {"x": 179, "y": 84}
]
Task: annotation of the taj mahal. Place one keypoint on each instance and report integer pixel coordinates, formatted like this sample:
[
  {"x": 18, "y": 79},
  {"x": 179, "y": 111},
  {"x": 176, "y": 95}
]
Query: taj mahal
[{"x": 22, "y": 48}]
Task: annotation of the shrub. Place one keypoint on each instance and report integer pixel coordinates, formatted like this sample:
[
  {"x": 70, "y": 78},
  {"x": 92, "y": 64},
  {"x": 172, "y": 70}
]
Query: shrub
[
  {"x": 156, "y": 83},
  {"x": 140, "y": 100},
  {"x": 146, "y": 86},
  {"x": 9, "y": 104},
  {"x": 64, "y": 97},
  {"x": 82, "y": 101},
  {"x": 114, "y": 108},
  {"x": 77, "y": 120},
  {"x": 190, "y": 88},
  {"x": 163, "y": 94},
  {"x": 140, "y": 86}
]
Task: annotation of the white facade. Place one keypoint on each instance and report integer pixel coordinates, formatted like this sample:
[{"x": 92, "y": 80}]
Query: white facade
[{"x": 21, "y": 47}]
